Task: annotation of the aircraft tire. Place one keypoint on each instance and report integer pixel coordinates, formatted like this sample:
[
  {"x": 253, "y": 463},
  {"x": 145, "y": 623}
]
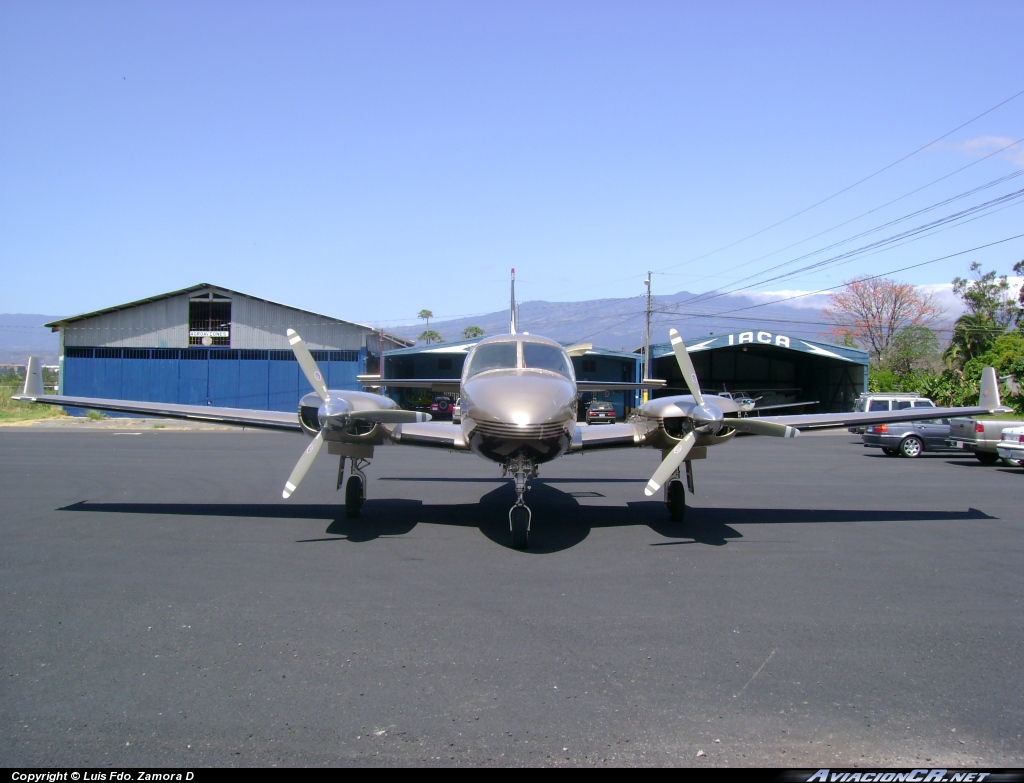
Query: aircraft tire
[
  {"x": 353, "y": 497},
  {"x": 519, "y": 520},
  {"x": 676, "y": 501},
  {"x": 986, "y": 457}
]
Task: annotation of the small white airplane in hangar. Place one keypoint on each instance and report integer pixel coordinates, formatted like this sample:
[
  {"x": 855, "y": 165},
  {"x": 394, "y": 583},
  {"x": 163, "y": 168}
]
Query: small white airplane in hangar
[{"x": 519, "y": 403}]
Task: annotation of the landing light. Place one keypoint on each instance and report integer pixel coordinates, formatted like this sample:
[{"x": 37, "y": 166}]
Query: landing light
[{"x": 520, "y": 419}]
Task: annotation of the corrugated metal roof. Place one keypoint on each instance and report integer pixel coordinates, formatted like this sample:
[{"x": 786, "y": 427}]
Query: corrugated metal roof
[{"x": 207, "y": 286}]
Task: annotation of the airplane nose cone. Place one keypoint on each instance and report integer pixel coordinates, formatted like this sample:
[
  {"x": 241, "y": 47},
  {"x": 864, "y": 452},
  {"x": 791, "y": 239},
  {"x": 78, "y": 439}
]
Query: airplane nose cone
[{"x": 521, "y": 400}]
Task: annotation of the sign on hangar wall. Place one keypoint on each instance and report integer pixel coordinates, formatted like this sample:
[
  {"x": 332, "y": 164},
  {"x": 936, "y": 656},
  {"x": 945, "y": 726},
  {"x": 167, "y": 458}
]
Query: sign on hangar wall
[{"x": 772, "y": 339}]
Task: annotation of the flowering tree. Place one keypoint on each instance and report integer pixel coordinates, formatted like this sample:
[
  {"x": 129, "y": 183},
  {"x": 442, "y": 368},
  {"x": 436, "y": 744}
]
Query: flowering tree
[{"x": 874, "y": 311}]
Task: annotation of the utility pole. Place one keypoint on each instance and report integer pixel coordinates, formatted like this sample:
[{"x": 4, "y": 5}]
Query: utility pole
[{"x": 647, "y": 338}]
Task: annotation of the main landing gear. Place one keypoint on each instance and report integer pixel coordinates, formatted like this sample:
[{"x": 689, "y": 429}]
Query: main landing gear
[
  {"x": 675, "y": 494},
  {"x": 522, "y": 469},
  {"x": 355, "y": 487}
]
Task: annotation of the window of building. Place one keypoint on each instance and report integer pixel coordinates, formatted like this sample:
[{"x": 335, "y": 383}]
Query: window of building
[{"x": 209, "y": 320}]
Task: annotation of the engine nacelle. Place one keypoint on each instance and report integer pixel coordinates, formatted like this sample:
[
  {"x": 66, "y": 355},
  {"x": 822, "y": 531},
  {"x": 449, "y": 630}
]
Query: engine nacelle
[{"x": 309, "y": 414}]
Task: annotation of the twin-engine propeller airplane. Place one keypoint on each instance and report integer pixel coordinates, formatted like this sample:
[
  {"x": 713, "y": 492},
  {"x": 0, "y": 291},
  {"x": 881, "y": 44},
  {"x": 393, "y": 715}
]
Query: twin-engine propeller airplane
[{"x": 518, "y": 409}]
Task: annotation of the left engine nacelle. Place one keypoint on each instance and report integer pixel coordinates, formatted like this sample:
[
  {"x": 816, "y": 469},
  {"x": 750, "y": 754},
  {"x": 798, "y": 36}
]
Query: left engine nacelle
[{"x": 309, "y": 413}]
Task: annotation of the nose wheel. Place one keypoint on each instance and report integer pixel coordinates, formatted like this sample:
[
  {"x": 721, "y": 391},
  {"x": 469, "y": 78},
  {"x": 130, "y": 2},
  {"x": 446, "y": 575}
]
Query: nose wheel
[
  {"x": 522, "y": 470},
  {"x": 519, "y": 522},
  {"x": 355, "y": 487}
]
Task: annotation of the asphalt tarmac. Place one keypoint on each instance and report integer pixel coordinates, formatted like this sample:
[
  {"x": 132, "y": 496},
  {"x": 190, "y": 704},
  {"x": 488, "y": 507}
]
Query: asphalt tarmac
[{"x": 821, "y": 606}]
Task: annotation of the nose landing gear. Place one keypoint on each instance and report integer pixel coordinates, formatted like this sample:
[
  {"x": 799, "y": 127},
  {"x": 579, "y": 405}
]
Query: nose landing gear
[
  {"x": 522, "y": 470},
  {"x": 355, "y": 487}
]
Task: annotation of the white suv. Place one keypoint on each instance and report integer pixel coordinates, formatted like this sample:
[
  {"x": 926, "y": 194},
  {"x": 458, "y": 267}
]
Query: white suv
[{"x": 889, "y": 401}]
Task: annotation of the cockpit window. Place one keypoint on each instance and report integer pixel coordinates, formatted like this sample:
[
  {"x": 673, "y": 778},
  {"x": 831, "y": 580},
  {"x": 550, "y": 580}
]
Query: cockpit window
[
  {"x": 494, "y": 356},
  {"x": 538, "y": 356}
]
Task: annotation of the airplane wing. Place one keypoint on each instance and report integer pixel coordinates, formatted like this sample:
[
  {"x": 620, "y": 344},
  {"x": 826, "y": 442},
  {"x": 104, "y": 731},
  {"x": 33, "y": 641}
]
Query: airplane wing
[
  {"x": 239, "y": 417},
  {"x": 431, "y": 434},
  {"x": 825, "y": 421},
  {"x": 757, "y": 408},
  {"x": 612, "y": 436},
  {"x": 592, "y": 386},
  {"x": 434, "y": 384}
]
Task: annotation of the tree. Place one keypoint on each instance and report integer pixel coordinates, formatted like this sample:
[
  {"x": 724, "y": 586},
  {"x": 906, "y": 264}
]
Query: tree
[
  {"x": 472, "y": 331},
  {"x": 874, "y": 311},
  {"x": 992, "y": 309},
  {"x": 425, "y": 315},
  {"x": 430, "y": 336},
  {"x": 990, "y": 295},
  {"x": 915, "y": 348}
]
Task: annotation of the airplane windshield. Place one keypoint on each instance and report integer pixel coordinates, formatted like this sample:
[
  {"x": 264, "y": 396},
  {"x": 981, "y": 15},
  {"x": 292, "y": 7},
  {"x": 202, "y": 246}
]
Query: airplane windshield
[
  {"x": 538, "y": 356},
  {"x": 494, "y": 356}
]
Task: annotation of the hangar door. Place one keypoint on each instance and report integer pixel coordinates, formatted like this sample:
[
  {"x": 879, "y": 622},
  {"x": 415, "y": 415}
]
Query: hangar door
[{"x": 776, "y": 367}]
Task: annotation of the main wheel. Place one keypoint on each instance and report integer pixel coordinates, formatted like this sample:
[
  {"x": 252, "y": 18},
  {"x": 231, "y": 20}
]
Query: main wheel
[
  {"x": 986, "y": 457},
  {"x": 353, "y": 496},
  {"x": 676, "y": 501},
  {"x": 519, "y": 520},
  {"x": 890, "y": 452},
  {"x": 911, "y": 447}
]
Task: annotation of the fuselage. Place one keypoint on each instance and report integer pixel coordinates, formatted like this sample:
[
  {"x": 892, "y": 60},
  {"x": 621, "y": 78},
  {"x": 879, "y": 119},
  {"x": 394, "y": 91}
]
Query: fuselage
[{"x": 518, "y": 399}]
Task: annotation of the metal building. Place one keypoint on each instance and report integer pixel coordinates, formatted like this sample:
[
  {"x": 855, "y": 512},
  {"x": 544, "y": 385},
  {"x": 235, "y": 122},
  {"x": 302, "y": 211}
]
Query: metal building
[
  {"x": 445, "y": 360},
  {"x": 789, "y": 369},
  {"x": 210, "y": 345}
]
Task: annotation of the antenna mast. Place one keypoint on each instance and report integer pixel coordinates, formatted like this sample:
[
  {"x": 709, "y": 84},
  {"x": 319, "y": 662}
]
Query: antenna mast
[{"x": 512, "y": 309}]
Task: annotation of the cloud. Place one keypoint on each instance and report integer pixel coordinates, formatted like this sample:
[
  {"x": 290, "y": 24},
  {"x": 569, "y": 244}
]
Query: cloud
[
  {"x": 985, "y": 145},
  {"x": 794, "y": 298}
]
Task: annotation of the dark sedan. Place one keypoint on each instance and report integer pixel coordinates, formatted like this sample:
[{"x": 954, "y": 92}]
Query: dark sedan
[
  {"x": 908, "y": 438},
  {"x": 600, "y": 413}
]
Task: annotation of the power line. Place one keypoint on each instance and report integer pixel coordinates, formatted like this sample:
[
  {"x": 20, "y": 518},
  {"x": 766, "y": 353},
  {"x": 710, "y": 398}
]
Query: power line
[{"x": 848, "y": 187}]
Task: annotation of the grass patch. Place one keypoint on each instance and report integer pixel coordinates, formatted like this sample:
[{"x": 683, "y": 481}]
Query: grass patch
[
  {"x": 92, "y": 415},
  {"x": 12, "y": 411}
]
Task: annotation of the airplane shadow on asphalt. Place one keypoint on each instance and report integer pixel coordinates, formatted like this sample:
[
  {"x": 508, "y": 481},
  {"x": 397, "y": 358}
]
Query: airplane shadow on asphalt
[{"x": 559, "y": 521}]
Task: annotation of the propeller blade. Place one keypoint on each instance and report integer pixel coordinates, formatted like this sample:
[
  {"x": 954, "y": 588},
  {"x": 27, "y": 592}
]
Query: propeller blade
[
  {"x": 390, "y": 416},
  {"x": 670, "y": 463},
  {"x": 683, "y": 359},
  {"x": 757, "y": 427},
  {"x": 299, "y": 471},
  {"x": 308, "y": 364}
]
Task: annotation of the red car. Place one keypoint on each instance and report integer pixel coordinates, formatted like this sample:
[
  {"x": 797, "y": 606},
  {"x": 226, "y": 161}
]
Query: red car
[{"x": 442, "y": 407}]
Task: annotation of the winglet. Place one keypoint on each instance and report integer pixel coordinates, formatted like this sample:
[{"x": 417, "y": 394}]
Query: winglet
[
  {"x": 989, "y": 397},
  {"x": 33, "y": 378}
]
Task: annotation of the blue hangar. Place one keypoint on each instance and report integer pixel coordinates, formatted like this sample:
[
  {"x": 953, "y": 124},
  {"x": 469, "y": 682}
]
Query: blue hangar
[{"x": 208, "y": 345}]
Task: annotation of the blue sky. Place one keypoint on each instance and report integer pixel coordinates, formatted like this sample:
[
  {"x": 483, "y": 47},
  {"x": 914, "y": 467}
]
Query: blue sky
[{"x": 368, "y": 160}]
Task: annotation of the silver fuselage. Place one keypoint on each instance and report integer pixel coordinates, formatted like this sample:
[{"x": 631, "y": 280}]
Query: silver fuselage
[{"x": 522, "y": 407}]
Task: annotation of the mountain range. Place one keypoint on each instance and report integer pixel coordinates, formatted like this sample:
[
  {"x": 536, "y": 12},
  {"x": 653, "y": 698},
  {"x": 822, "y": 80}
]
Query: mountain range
[
  {"x": 616, "y": 324},
  {"x": 23, "y": 335}
]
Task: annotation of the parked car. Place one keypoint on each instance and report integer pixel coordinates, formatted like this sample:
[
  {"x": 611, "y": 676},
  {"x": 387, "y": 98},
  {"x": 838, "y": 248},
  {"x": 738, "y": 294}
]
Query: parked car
[
  {"x": 908, "y": 438},
  {"x": 888, "y": 401},
  {"x": 980, "y": 436},
  {"x": 1011, "y": 445},
  {"x": 442, "y": 408},
  {"x": 457, "y": 411},
  {"x": 600, "y": 413}
]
